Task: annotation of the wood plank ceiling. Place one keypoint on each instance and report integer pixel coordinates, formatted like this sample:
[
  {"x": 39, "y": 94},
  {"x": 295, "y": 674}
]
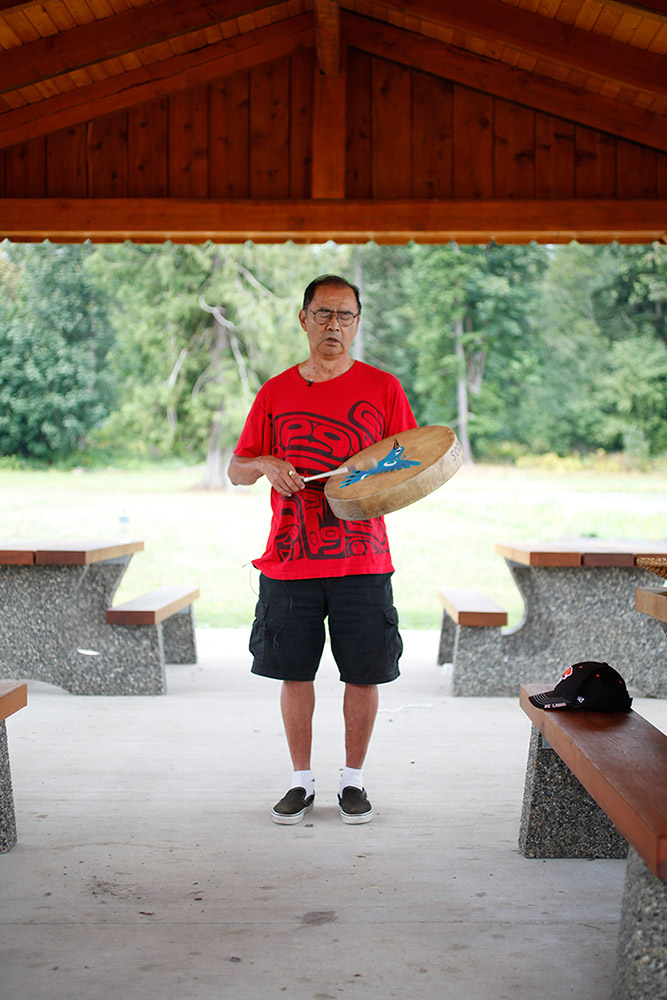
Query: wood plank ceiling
[{"x": 316, "y": 119}]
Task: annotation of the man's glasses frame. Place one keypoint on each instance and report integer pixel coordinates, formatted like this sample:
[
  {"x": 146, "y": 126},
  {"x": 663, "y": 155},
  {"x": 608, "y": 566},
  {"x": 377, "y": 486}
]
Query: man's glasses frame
[{"x": 323, "y": 316}]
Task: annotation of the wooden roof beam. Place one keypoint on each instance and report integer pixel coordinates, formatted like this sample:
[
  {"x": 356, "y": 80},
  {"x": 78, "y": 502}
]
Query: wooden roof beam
[
  {"x": 527, "y": 88},
  {"x": 91, "y": 43},
  {"x": 546, "y": 38},
  {"x": 654, "y": 9},
  {"x": 11, "y": 6},
  {"x": 432, "y": 221},
  {"x": 117, "y": 93},
  {"x": 327, "y": 35},
  {"x": 329, "y": 96},
  {"x": 329, "y": 134}
]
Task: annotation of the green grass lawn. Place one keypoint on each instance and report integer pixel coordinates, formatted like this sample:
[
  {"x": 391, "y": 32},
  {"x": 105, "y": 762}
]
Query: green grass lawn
[{"x": 208, "y": 538}]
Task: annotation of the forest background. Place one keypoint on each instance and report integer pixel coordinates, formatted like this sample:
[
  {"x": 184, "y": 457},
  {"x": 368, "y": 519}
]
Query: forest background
[
  {"x": 119, "y": 354},
  {"x": 126, "y": 372}
]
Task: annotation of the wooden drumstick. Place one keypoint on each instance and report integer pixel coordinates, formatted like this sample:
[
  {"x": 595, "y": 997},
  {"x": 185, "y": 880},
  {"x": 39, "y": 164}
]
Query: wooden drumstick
[
  {"x": 325, "y": 475},
  {"x": 371, "y": 465}
]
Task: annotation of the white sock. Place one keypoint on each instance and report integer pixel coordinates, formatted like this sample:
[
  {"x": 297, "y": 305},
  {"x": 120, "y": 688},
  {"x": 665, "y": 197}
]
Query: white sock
[
  {"x": 304, "y": 779},
  {"x": 351, "y": 776}
]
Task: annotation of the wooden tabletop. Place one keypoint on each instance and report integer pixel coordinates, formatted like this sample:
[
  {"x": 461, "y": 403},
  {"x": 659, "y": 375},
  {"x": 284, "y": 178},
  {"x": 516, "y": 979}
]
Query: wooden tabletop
[
  {"x": 580, "y": 552},
  {"x": 80, "y": 552},
  {"x": 652, "y": 601}
]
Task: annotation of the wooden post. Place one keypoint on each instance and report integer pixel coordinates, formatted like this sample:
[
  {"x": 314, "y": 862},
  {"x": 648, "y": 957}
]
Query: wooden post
[{"x": 329, "y": 135}]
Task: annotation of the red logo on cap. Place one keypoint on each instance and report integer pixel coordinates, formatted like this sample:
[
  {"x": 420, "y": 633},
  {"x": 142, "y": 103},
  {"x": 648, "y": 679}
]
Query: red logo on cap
[{"x": 568, "y": 673}]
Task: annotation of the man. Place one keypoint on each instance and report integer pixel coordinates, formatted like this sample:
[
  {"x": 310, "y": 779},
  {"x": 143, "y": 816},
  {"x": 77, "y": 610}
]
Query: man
[{"x": 310, "y": 419}]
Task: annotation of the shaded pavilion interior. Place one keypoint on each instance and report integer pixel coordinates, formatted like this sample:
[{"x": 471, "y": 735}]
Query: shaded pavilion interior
[{"x": 311, "y": 120}]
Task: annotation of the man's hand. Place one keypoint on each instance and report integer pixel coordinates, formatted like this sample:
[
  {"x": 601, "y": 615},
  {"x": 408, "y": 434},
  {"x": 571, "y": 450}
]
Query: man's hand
[
  {"x": 282, "y": 475},
  {"x": 284, "y": 478}
]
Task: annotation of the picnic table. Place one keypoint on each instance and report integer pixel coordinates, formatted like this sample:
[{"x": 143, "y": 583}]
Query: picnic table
[
  {"x": 578, "y": 599},
  {"x": 55, "y": 601}
]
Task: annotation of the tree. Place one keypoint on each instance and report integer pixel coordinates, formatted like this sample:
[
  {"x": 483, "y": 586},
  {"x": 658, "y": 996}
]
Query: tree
[
  {"x": 199, "y": 329},
  {"x": 55, "y": 335},
  {"x": 475, "y": 319},
  {"x": 599, "y": 379}
]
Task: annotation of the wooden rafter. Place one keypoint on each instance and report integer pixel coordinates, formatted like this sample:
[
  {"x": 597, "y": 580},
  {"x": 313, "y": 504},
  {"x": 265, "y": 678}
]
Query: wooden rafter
[
  {"x": 329, "y": 134},
  {"x": 656, "y": 9},
  {"x": 477, "y": 221},
  {"x": 91, "y": 43},
  {"x": 531, "y": 33},
  {"x": 11, "y": 6},
  {"x": 549, "y": 39},
  {"x": 156, "y": 80},
  {"x": 327, "y": 35},
  {"x": 521, "y": 86}
]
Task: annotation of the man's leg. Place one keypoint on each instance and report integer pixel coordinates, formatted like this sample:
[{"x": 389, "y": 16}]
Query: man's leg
[
  {"x": 360, "y": 706},
  {"x": 297, "y": 704}
]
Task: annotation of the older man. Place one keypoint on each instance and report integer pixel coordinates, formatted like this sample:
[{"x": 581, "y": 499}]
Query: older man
[{"x": 310, "y": 419}]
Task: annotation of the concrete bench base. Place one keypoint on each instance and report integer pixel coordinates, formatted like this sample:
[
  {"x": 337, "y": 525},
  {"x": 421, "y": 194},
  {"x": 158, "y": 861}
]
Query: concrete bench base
[
  {"x": 7, "y": 817},
  {"x": 567, "y": 621},
  {"x": 84, "y": 654},
  {"x": 13, "y": 697},
  {"x": 470, "y": 638},
  {"x": 641, "y": 962},
  {"x": 560, "y": 820}
]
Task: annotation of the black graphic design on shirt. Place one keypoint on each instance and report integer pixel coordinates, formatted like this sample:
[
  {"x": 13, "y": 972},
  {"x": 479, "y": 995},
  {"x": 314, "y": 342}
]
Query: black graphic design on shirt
[{"x": 317, "y": 444}]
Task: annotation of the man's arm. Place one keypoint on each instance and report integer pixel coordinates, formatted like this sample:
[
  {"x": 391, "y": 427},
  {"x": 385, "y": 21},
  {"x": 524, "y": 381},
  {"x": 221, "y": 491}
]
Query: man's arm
[{"x": 246, "y": 470}]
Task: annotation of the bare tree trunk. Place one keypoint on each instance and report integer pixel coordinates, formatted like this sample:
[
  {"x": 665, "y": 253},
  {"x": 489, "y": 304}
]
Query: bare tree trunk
[
  {"x": 462, "y": 391},
  {"x": 215, "y": 473},
  {"x": 461, "y": 384},
  {"x": 215, "y": 477},
  {"x": 359, "y": 282}
]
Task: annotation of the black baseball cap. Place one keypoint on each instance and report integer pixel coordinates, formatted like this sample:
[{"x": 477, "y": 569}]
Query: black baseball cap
[{"x": 591, "y": 686}]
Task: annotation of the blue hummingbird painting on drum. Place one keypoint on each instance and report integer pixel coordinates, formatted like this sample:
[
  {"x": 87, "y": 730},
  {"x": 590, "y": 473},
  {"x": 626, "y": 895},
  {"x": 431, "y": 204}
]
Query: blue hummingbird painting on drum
[{"x": 392, "y": 461}]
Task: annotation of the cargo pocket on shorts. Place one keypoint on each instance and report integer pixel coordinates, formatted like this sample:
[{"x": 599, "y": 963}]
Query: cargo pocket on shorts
[
  {"x": 258, "y": 633},
  {"x": 392, "y": 639}
]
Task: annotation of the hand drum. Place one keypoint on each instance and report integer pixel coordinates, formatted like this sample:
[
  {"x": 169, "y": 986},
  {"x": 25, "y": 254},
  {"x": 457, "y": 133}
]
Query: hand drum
[{"x": 394, "y": 472}]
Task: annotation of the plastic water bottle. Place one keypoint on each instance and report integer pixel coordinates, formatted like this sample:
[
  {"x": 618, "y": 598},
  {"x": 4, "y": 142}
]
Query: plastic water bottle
[{"x": 124, "y": 526}]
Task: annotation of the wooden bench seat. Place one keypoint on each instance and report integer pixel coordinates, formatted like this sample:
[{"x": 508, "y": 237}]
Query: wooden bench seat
[
  {"x": 597, "y": 782},
  {"x": 153, "y": 607},
  {"x": 12, "y": 697},
  {"x": 167, "y": 611},
  {"x": 469, "y": 637},
  {"x": 466, "y": 606}
]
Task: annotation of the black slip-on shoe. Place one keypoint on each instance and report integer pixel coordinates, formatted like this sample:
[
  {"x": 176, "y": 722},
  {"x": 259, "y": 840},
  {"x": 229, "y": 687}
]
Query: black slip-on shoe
[
  {"x": 354, "y": 805},
  {"x": 292, "y": 807}
]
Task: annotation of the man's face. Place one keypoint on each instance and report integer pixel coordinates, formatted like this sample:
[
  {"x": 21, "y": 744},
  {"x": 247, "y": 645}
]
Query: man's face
[{"x": 330, "y": 339}]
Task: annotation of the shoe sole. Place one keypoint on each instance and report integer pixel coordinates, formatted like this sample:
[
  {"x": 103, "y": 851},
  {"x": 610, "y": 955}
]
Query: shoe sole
[
  {"x": 289, "y": 819},
  {"x": 356, "y": 818}
]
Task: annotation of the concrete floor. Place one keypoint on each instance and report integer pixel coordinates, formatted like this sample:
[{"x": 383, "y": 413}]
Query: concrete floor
[{"x": 148, "y": 867}]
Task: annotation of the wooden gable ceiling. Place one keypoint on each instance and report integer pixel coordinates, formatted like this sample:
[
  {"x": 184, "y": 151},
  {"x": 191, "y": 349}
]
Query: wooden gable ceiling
[{"x": 316, "y": 119}]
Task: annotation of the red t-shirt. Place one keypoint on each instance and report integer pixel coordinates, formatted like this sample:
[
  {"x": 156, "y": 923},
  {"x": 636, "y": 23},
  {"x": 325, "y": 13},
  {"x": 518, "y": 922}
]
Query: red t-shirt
[{"x": 317, "y": 426}]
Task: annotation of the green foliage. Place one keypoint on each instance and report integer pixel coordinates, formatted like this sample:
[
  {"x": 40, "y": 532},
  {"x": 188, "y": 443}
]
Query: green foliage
[
  {"x": 55, "y": 386},
  {"x": 135, "y": 352},
  {"x": 601, "y": 353},
  {"x": 632, "y": 396},
  {"x": 198, "y": 330},
  {"x": 494, "y": 294}
]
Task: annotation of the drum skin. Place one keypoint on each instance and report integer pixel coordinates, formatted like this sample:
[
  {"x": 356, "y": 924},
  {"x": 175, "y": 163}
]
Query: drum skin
[{"x": 402, "y": 469}]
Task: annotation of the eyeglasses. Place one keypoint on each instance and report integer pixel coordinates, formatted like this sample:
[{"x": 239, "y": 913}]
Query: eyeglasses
[{"x": 323, "y": 316}]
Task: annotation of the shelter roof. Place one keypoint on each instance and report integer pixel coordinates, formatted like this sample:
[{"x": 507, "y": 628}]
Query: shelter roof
[{"x": 310, "y": 119}]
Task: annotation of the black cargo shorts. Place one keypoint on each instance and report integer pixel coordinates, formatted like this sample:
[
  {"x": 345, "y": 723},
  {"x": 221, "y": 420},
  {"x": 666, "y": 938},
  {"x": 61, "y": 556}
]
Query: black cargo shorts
[{"x": 288, "y": 633}]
